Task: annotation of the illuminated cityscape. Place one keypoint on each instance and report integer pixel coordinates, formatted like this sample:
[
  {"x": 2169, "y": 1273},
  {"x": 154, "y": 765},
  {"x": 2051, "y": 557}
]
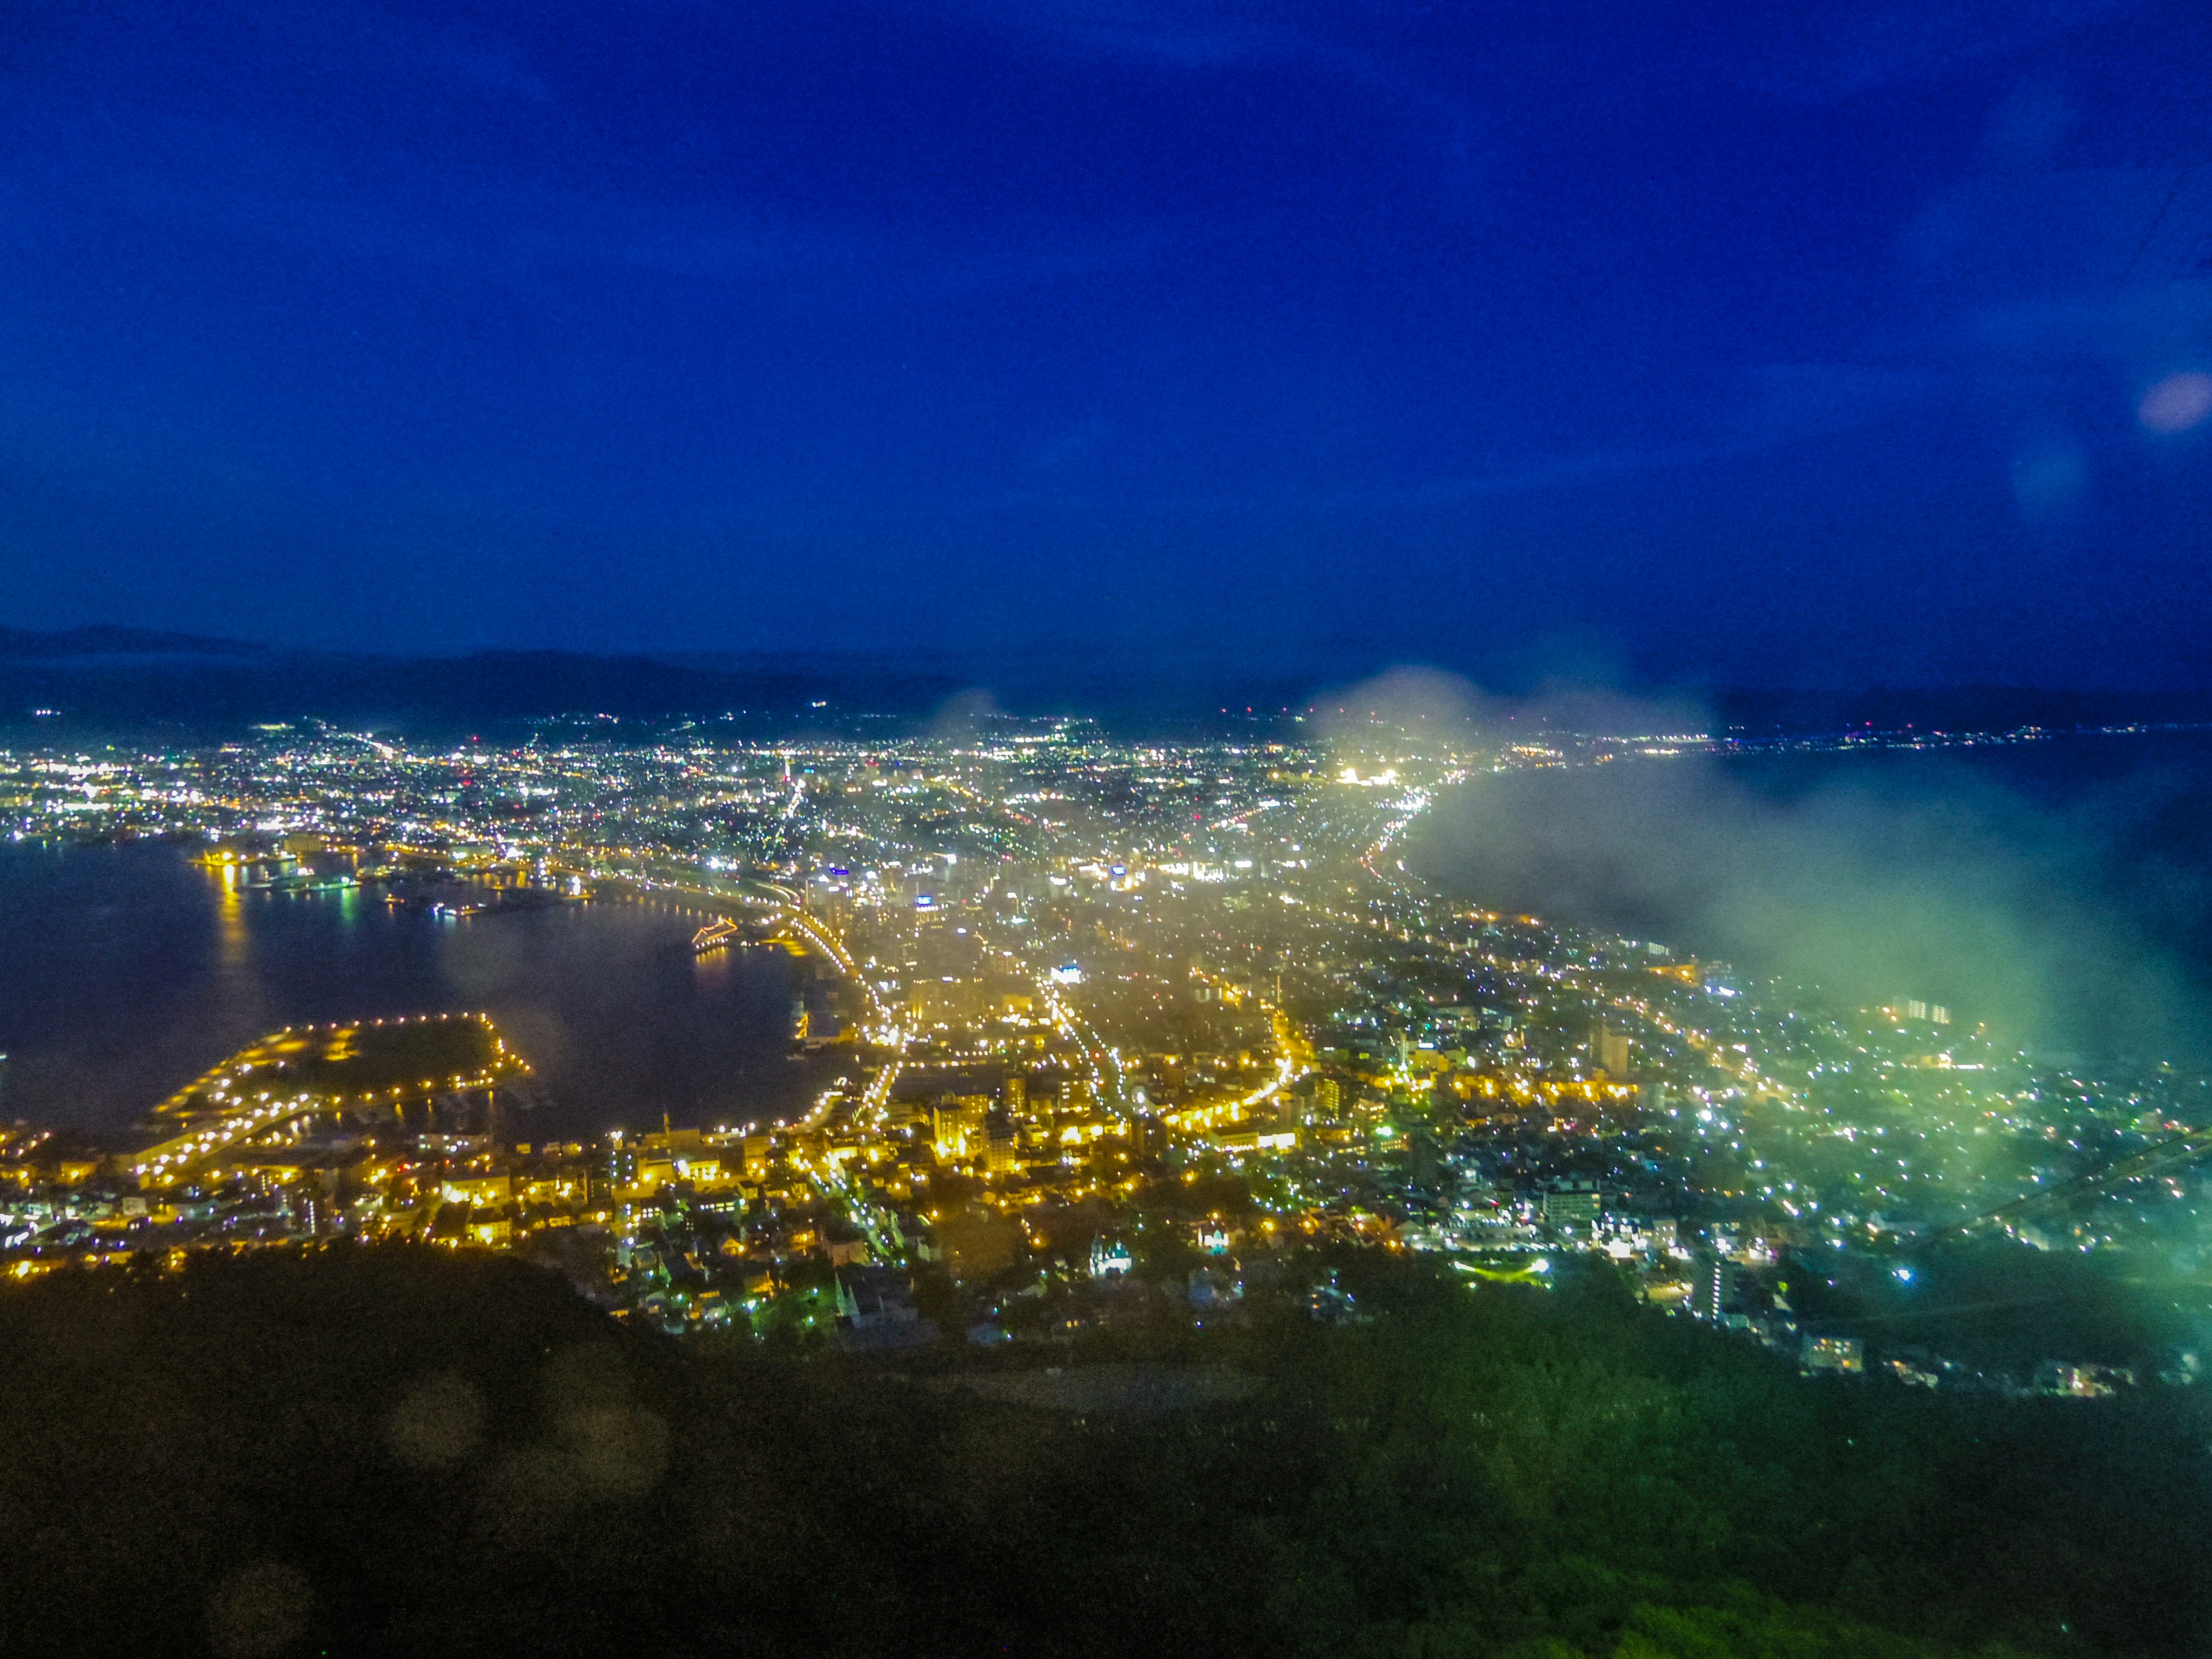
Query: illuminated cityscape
[
  {"x": 1097, "y": 829},
  {"x": 1121, "y": 1032}
]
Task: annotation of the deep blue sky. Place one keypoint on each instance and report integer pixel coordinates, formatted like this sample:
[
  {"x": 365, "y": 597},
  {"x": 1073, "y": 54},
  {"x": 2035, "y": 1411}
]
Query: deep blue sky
[{"x": 1802, "y": 344}]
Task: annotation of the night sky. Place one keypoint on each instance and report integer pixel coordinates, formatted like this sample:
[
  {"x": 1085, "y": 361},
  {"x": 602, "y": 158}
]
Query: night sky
[{"x": 1808, "y": 343}]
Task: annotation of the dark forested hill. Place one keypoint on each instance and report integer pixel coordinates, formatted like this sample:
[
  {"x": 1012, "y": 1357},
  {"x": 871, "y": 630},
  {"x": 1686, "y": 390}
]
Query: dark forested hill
[{"x": 381, "y": 1451}]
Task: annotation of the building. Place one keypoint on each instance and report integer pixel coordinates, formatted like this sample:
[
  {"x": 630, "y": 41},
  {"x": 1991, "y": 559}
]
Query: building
[
  {"x": 1845, "y": 1355},
  {"x": 1712, "y": 1291},
  {"x": 1609, "y": 1049},
  {"x": 487, "y": 1191},
  {"x": 1570, "y": 1204},
  {"x": 824, "y": 1013},
  {"x": 705, "y": 1171},
  {"x": 1253, "y": 1141},
  {"x": 874, "y": 1296},
  {"x": 956, "y": 1125},
  {"x": 1110, "y": 1258},
  {"x": 1330, "y": 1304},
  {"x": 1935, "y": 1013},
  {"x": 2079, "y": 1381}
]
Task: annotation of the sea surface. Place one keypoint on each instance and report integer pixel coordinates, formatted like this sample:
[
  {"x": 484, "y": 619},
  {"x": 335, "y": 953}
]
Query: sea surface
[
  {"x": 126, "y": 971},
  {"x": 2059, "y": 889}
]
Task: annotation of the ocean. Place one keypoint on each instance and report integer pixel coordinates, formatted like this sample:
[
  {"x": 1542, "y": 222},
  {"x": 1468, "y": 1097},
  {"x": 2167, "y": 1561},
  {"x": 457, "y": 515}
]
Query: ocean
[{"x": 126, "y": 971}]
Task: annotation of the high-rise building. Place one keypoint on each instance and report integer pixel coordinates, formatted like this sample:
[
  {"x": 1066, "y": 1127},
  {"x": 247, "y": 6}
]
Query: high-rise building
[
  {"x": 1571, "y": 1203},
  {"x": 1609, "y": 1049},
  {"x": 956, "y": 1125},
  {"x": 1714, "y": 1287}
]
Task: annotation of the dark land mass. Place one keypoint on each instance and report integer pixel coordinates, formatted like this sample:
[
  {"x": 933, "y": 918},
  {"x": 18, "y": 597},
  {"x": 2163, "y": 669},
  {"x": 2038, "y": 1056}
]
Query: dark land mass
[
  {"x": 112, "y": 684},
  {"x": 115, "y": 682},
  {"x": 356, "y": 1451}
]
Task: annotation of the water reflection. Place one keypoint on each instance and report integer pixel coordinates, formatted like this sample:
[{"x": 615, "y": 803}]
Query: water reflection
[{"x": 125, "y": 972}]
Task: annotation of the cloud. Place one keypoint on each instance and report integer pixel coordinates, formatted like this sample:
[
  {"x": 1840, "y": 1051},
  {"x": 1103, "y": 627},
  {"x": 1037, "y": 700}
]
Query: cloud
[
  {"x": 1422, "y": 705},
  {"x": 1866, "y": 879},
  {"x": 961, "y": 717}
]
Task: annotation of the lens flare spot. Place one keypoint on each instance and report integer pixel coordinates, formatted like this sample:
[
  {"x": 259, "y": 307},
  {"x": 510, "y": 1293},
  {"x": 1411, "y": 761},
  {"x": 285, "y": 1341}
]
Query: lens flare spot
[{"x": 2177, "y": 403}]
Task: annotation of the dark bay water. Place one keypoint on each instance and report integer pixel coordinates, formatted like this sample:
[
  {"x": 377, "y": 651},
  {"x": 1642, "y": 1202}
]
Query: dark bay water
[
  {"x": 2062, "y": 890},
  {"x": 125, "y": 972}
]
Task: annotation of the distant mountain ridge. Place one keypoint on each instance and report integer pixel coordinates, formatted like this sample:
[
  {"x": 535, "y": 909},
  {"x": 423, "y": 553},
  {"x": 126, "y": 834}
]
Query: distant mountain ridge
[
  {"x": 115, "y": 680},
  {"x": 112, "y": 681},
  {"x": 103, "y": 640}
]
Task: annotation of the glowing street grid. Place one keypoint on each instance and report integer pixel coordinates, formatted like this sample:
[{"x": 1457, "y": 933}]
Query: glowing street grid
[{"x": 1099, "y": 1005}]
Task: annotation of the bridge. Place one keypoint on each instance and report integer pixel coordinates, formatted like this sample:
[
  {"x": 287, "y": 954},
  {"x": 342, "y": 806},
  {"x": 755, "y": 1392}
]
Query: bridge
[{"x": 2170, "y": 1153}]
